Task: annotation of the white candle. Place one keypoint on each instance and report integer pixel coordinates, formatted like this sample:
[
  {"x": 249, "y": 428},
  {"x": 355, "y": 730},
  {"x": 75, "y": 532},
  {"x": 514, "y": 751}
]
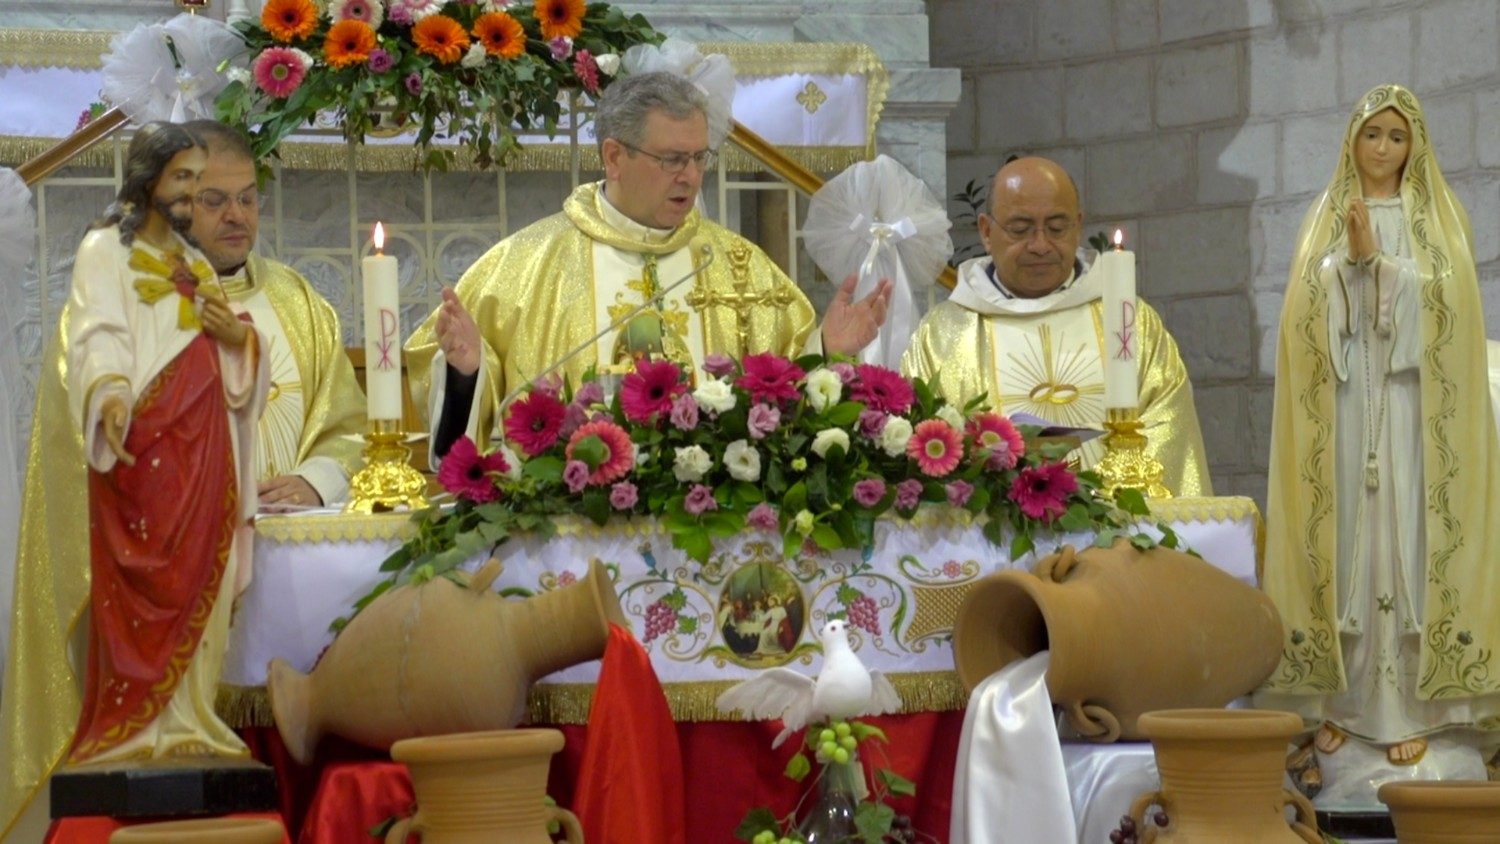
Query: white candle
[
  {"x": 1121, "y": 337},
  {"x": 382, "y": 332}
]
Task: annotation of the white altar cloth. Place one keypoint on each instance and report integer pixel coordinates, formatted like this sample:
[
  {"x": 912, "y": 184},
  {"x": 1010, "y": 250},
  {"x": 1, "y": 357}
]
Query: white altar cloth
[{"x": 743, "y": 611}]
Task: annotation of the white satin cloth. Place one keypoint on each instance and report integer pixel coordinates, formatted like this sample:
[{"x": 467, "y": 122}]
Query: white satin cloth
[{"x": 1017, "y": 782}]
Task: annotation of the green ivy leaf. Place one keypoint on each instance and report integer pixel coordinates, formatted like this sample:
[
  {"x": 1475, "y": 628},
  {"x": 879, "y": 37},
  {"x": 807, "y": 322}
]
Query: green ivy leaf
[
  {"x": 826, "y": 537},
  {"x": 797, "y": 768},
  {"x": 843, "y": 414},
  {"x": 591, "y": 450},
  {"x": 757, "y": 821},
  {"x": 545, "y": 469},
  {"x": 1132, "y": 501},
  {"x": 861, "y": 731},
  {"x": 896, "y": 784},
  {"x": 872, "y": 821},
  {"x": 1076, "y": 518},
  {"x": 1021, "y": 545}
]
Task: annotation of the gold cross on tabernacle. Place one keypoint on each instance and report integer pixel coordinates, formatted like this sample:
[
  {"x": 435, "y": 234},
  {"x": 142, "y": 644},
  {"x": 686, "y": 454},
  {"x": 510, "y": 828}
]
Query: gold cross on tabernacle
[{"x": 742, "y": 299}]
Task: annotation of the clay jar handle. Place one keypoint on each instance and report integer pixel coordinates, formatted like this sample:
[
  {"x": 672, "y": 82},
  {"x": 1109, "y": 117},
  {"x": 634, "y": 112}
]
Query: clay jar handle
[
  {"x": 1147, "y": 832},
  {"x": 404, "y": 827},
  {"x": 1306, "y": 824},
  {"x": 569, "y": 822}
]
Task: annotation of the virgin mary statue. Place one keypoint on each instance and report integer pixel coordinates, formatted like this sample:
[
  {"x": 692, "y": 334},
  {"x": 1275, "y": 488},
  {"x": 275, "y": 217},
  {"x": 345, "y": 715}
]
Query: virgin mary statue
[{"x": 1383, "y": 514}]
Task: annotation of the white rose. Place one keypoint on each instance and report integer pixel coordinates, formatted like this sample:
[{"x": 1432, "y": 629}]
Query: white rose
[
  {"x": 609, "y": 63},
  {"x": 824, "y": 388},
  {"x": 715, "y": 395},
  {"x": 948, "y": 413},
  {"x": 239, "y": 74},
  {"x": 304, "y": 58},
  {"x": 473, "y": 58},
  {"x": 691, "y": 464},
  {"x": 896, "y": 435},
  {"x": 828, "y": 438},
  {"x": 426, "y": 10},
  {"x": 742, "y": 460}
]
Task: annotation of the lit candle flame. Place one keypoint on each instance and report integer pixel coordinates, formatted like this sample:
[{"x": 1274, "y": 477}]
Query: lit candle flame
[
  {"x": 1119, "y": 239},
  {"x": 380, "y": 238}
]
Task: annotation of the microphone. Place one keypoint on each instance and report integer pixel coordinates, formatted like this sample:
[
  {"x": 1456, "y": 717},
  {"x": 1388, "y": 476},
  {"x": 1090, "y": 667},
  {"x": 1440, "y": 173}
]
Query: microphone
[{"x": 708, "y": 258}]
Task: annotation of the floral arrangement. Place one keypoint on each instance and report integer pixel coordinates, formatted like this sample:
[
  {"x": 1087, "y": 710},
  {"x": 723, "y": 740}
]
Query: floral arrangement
[
  {"x": 475, "y": 70},
  {"x": 814, "y": 450}
]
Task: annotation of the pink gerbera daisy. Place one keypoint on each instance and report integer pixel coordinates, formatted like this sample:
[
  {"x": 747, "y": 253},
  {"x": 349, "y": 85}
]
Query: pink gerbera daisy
[
  {"x": 769, "y": 378},
  {"x": 882, "y": 389},
  {"x": 936, "y": 446},
  {"x": 587, "y": 71},
  {"x": 279, "y": 71},
  {"x": 468, "y": 474},
  {"x": 1042, "y": 491},
  {"x": 994, "y": 433},
  {"x": 650, "y": 390},
  {"x": 535, "y": 422},
  {"x": 619, "y": 451}
]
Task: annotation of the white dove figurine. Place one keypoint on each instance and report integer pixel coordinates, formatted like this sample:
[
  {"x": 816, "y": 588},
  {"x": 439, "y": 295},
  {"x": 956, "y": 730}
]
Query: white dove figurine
[{"x": 845, "y": 689}]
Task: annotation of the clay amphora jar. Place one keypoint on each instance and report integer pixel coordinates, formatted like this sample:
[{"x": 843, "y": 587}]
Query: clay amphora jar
[
  {"x": 1128, "y": 632},
  {"x": 203, "y": 831},
  {"x": 441, "y": 658},
  {"x": 1221, "y": 778},
  {"x": 1453, "y": 812},
  {"x": 481, "y": 788}
]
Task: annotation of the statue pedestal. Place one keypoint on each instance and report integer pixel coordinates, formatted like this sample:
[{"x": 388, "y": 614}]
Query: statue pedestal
[
  {"x": 1357, "y": 826},
  {"x": 164, "y": 788}
]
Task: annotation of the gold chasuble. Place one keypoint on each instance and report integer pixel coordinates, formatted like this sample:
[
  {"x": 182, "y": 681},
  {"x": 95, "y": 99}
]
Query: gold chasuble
[
  {"x": 1045, "y": 357},
  {"x": 551, "y": 286},
  {"x": 1451, "y": 586},
  {"x": 40, "y": 703}
]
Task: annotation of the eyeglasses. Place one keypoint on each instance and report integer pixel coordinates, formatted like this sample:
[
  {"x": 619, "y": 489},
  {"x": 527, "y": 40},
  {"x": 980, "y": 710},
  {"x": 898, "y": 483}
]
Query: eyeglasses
[
  {"x": 678, "y": 162},
  {"x": 214, "y": 199},
  {"x": 1027, "y": 229}
]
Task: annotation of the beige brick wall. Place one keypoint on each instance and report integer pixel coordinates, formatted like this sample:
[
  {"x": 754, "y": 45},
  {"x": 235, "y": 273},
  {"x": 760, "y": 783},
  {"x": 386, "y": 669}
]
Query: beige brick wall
[{"x": 1205, "y": 128}]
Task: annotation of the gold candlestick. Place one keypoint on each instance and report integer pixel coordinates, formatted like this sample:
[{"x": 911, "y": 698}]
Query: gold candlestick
[
  {"x": 1126, "y": 463},
  {"x": 388, "y": 480}
]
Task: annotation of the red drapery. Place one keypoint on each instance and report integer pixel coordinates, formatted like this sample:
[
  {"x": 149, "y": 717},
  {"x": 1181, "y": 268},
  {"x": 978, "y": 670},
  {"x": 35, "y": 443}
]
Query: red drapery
[
  {"x": 160, "y": 534},
  {"x": 729, "y": 768}
]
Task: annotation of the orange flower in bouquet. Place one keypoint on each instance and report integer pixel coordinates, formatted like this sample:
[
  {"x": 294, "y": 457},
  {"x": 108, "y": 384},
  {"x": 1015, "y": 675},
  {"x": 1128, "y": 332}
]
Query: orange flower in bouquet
[
  {"x": 349, "y": 42},
  {"x": 441, "y": 37},
  {"x": 289, "y": 20},
  {"x": 501, "y": 35},
  {"x": 560, "y": 18}
]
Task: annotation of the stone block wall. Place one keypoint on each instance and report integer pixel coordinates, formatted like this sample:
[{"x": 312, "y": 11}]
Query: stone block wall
[{"x": 1204, "y": 128}]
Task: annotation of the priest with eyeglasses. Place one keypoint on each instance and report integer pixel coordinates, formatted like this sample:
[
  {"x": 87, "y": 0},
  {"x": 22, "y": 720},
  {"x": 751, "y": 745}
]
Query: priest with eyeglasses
[{"x": 619, "y": 246}]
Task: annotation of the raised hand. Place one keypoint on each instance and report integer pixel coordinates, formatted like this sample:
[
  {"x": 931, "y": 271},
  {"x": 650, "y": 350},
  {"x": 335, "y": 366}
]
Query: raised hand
[
  {"x": 457, "y": 334},
  {"x": 113, "y": 415},
  {"x": 850, "y": 326}
]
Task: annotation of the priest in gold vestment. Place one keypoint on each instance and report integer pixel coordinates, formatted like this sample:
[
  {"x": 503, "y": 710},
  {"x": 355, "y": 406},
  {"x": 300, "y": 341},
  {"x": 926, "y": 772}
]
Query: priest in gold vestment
[
  {"x": 1024, "y": 327},
  {"x": 618, "y": 244},
  {"x": 314, "y": 399},
  {"x": 1383, "y": 510}
]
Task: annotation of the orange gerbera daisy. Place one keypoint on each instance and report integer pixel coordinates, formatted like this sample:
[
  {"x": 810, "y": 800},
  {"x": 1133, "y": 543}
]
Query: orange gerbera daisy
[
  {"x": 441, "y": 37},
  {"x": 500, "y": 34},
  {"x": 560, "y": 18},
  {"x": 349, "y": 42},
  {"x": 288, "y": 20}
]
